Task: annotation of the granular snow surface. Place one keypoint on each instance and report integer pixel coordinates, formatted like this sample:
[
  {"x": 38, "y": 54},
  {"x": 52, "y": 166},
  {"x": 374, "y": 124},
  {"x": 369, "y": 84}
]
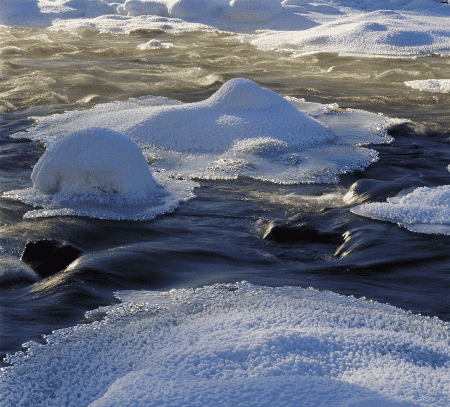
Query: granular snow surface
[
  {"x": 237, "y": 344},
  {"x": 100, "y": 173},
  {"x": 422, "y": 210},
  {"x": 431, "y": 85},
  {"x": 241, "y": 130},
  {"x": 399, "y": 28}
]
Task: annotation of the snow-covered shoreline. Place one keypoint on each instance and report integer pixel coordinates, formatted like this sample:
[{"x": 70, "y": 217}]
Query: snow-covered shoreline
[{"x": 375, "y": 29}]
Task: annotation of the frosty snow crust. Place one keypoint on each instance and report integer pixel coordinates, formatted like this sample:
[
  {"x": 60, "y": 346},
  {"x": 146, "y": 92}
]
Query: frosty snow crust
[
  {"x": 424, "y": 210},
  {"x": 431, "y": 85},
  {"x": 100, "y": 173},
  {"x": 241, "y": 130},
  {"x": 401, "y": 28},
  {"x": 237, "y": 343}
]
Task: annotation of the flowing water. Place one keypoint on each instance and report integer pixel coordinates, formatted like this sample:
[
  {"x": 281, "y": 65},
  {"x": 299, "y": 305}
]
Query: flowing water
[{"x": 233, "y": 230}]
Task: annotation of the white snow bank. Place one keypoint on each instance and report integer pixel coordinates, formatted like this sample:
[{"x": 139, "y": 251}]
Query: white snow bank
[
  {"x": 101, "y": 173},
  {"x": 237, "y": 344},
  {"x": 423, "y": 210},
  {"x": 377, "y": 33},
  {"x": 194, "y": 9},
  {"x": 21, "y": 13},
  {"x": 399, "y": 28},
  {"x": 431, "y": 85},
  {"x": 252, "y": 11},
  {"x": 241, "y": 130},
  {"x": 134, "y": 8}
]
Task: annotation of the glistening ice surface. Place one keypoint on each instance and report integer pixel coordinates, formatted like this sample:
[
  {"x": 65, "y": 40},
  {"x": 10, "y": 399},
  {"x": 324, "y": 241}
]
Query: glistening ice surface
[{"x": 238, "y": 344}]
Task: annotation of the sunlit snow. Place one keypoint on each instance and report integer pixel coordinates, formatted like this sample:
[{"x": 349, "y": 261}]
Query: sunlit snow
[
  {"x": 238, "y": 344},
  {"x": 241, "y": 130},
  {"x": 99, "y": 173}
]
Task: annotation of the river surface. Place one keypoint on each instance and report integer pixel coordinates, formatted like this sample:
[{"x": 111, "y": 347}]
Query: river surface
[{"x": 233, "y": 230}]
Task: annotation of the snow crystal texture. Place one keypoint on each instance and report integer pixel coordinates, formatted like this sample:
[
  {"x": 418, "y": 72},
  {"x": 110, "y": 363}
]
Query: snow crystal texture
[
  {"x": 237, "y": 344},
  {"x": 400, "y": 28},
  {"x": 431, "y": 85},
  {"x": 241, "y": 130},
  {"x": 101, "y": 173},
  {"x": 423, "y": 210}
]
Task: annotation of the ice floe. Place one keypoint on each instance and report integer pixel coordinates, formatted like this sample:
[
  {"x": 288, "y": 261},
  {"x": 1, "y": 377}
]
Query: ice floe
[
  {"x": 237, "y": 344},
  {"x": 423, "y": 210},
  {"x": 241, "y": 130},
  {"x": 99, "y": 173},
  {"x": 431, "y": 85}
]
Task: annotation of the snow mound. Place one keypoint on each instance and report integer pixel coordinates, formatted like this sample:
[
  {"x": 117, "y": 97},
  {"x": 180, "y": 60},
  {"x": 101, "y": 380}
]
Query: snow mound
[
  {"x": 241, "y": 130},
  {"x": 243, "y": 94},
  {"x": 431, "y": 85},
  {"x": 93, "y": 160},
  {"x": 97, "y": 167},
  {"x": 376, "y": 33},
  {"x": 237, "y": 344},
  {"x": 239, "y": 110}
]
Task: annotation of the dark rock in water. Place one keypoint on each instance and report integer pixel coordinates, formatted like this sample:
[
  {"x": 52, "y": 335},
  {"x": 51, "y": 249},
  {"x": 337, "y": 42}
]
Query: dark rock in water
[
  {"x": 304, "y": 228},
  {"x": 47, "y": 257}
]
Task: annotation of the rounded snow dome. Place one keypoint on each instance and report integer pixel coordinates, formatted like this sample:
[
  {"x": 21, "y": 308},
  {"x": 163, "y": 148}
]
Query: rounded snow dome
[
  {"x": 244, "y": 94},
  {"x": 93, "y": 161},
  {"x": 100, "y": 173}
]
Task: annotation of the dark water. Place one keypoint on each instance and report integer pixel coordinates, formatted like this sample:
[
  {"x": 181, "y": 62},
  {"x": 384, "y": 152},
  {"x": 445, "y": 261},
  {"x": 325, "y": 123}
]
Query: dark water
[{"x": 232, "y": 230}]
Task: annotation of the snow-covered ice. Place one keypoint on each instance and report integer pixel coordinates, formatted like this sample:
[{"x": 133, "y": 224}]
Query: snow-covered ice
[
  {"x": 399, "y": 28},
  {"x": 431, "y": 85},
  {"x": 237, "y": 344},
  {"x": 100, "y": 173},
  {"x": 423, "y": 210},
  {"x": 241, "y": 130}
]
